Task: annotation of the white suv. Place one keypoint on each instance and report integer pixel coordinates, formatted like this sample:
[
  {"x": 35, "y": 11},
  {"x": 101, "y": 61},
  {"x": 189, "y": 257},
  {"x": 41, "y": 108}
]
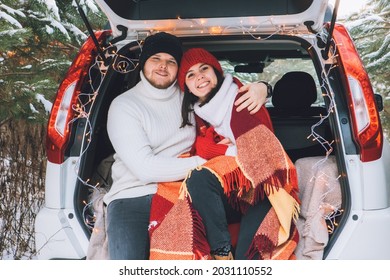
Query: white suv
[{"x": 324, "y": 112}]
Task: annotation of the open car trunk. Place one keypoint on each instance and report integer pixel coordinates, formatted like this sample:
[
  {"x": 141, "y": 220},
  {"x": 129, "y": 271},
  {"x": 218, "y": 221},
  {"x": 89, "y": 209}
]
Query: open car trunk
[
  {"x": 194, "y": 17},
  {"x": 243, "y": 55}
]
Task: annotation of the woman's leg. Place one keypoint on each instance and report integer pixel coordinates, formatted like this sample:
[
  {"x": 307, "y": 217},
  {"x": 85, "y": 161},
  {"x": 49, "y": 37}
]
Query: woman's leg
[
  {"x": 211, "y": 203},
  {"x": 250, "y": 222},
  {"x": 127, "y": 228}
]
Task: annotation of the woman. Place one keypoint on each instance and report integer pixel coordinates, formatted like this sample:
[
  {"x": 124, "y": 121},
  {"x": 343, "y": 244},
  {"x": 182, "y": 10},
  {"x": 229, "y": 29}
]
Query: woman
[{"x": 250, "y": 180}]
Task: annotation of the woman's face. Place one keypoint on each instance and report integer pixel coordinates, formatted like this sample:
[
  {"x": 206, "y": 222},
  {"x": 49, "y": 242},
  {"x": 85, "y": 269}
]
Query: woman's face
[{"x": 200, "y": 80}]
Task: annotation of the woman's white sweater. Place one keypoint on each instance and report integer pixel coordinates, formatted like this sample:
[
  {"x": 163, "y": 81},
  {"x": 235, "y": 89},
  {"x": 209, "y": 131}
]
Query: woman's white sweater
[{"x": 144, "y": 129}]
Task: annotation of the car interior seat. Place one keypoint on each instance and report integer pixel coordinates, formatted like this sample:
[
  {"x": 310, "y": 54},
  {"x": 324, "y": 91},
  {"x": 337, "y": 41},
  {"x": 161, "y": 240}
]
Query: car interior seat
[
  {"x": 294, "y": 95},
  {"x": 294, "y": 116}
]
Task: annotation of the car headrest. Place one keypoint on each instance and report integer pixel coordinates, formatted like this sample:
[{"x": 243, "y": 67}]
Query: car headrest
[{"x": 294, "y": 91}]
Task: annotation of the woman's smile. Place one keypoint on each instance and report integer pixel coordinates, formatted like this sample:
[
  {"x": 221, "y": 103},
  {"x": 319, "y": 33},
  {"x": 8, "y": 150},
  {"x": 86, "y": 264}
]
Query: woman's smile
[{"x": 201, "y": 80}]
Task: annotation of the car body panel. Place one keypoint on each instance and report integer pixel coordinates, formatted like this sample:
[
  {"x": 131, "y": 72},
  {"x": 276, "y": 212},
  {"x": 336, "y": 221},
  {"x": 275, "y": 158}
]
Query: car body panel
[
  {"x": 61, "y": 237},
  {"x": 376, "y": 181},
  {"x": 363, "y": 237},
  {"x": 280, "y": 15}
]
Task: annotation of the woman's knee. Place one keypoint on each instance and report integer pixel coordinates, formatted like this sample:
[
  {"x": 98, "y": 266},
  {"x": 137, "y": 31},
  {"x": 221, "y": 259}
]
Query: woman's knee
[{"x": 201, "y": 180}]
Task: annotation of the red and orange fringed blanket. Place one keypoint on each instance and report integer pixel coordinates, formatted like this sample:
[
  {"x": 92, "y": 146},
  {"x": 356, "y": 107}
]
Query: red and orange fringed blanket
[{"x": 260, "y": 168}]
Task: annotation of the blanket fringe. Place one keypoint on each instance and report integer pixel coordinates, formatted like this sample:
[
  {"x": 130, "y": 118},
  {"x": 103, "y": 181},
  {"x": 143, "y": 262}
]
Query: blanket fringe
[
  {"x": 201, "y": 247},
  {"x": 241, "y": 193},
  {"x": 261, "y": 246}
]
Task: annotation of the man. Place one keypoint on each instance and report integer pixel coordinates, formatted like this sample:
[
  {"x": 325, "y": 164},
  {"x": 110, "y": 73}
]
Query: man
[{"x": 144, "y": 128}]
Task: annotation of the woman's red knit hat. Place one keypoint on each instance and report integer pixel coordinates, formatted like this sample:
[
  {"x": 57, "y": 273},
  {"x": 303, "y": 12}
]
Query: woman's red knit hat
[{"x": 194, "y": 56}]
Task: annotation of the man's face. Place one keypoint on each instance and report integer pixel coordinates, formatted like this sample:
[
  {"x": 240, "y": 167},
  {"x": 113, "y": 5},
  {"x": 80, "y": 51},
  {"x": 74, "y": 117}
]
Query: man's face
[{"x": 161, "y": 70}]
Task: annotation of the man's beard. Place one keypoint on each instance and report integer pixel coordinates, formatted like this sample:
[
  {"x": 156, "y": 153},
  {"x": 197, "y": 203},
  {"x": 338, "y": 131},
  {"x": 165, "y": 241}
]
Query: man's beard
[{"x": 159, "y": 85}]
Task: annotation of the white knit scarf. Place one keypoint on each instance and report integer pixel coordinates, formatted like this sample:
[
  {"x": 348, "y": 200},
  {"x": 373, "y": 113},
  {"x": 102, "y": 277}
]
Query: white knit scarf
[{"x": 217, "y": 112}]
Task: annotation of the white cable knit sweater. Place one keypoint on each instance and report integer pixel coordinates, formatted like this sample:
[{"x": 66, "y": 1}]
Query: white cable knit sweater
[{"x": 144, "y": 128}]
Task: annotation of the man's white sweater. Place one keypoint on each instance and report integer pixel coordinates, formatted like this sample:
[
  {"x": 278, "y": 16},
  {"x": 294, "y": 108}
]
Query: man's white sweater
[{"x": 144, "y": 129}]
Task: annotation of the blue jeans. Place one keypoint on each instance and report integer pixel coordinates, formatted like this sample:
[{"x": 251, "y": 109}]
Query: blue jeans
[
  {"x": 212, "y": 205},
  {"x": 127, "y": 228}
]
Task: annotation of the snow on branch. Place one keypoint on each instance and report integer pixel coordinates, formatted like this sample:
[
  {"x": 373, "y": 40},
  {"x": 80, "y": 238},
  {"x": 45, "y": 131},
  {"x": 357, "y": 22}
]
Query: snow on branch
[
  {"x": 364, "y": 21},
  {"x": 10, "y": 19},
  {"x": 380, "y": 61},
  {"x": 12, "y": 11},
  {"x": 52, "y": 7},
  {"x": 87, "y": 3},
  {"x": 383, "y": 50}
]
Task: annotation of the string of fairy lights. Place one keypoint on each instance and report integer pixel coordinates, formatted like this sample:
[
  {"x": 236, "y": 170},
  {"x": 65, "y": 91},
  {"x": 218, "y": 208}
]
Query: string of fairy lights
[
  {"x": 81, "y": 109},
  {"x": 124, "y": 65},
  {"x": 332, "y": 212}
]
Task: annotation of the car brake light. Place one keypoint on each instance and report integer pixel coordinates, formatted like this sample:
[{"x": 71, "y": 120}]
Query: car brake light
[
  {"x": 62, "y": 113},
  {"x": 367, "y": 128}
]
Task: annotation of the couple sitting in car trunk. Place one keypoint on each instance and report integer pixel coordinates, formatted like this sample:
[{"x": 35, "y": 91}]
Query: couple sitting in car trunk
[{"x": 210, "y": 183}]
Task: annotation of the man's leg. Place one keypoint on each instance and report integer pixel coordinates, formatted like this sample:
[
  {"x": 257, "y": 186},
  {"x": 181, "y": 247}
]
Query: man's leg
[{"x": 127, "y": 228}]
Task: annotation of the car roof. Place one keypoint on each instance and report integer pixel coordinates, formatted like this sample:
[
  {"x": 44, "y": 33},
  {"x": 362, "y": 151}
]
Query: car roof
[{"x": 194, "y": 18}]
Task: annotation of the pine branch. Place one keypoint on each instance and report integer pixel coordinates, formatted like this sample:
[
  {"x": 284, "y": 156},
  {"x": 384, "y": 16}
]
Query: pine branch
[
  {"x": 22, "y": 51},
  {"x": 72, "y": 46},
  {"x": 17, "y": 73}
]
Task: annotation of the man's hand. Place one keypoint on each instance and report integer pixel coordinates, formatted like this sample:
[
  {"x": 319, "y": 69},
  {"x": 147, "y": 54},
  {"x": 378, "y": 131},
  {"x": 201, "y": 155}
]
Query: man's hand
[{"x": 254, "y": 97}]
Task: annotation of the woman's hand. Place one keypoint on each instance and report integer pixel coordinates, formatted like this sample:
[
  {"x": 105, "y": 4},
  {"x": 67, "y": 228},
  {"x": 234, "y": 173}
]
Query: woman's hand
[
  {"x": 254, "y": 97},
  {"x": 206, "y": 145},
  {"x": 225, "y": 141}
]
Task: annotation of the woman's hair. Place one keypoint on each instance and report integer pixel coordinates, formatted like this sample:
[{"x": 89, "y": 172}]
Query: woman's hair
[{"x": 190, "y": 99}]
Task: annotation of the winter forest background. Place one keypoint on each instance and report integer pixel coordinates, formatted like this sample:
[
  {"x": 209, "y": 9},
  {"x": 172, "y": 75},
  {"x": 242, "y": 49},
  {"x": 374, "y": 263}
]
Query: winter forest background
[{"x": 39, "y": 39}]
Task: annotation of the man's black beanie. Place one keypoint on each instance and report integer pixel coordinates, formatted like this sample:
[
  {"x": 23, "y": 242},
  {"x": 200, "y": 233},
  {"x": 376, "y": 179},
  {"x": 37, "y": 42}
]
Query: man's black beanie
[{"x": 161, "y": 42}]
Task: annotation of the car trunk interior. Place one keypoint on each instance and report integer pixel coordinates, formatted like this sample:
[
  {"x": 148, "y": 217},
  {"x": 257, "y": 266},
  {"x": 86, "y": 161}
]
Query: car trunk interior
[{"x": 292, "y": 125}]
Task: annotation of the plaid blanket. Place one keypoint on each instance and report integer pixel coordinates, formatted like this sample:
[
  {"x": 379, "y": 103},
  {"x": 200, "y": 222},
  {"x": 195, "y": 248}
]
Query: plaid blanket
[
  {"x": 176, "y": 230},
  {"x": 261, "y": 168}
]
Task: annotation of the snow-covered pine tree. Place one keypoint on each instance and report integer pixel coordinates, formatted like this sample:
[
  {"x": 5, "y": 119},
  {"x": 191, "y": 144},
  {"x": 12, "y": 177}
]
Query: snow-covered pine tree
[
  {"x": 39, "y": 39},
  {"x": 370, "y": 30}
]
